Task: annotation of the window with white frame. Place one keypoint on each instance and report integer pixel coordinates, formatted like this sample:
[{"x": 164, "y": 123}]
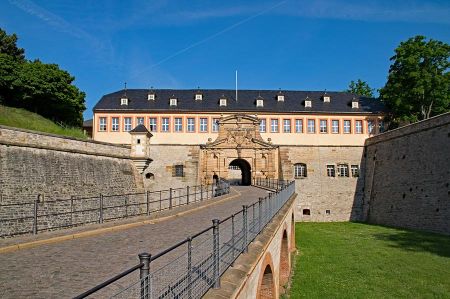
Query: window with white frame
[
  {"x": 335, "y": 126},
  {"x": 198, "y": 97},
  {"x": 347, "y": 126},
  {"x": 331, "y": 172},
  {"x": 287, "y": 125},
  {"x": 102, "y": 124},
  {"x": 127, "y": 124},
  {"x": 323, "y": 126},
  {"x": 139, "y": 121},
  {"x": 151, "y": 97},
  {"x": 115, "y": 124},
  {"x": 299, "y": 126},
  {"x": 203, "y": 124},
  {"x": 355, "y": 170},
  {"x": 124, "y": 101},
  {"x": 259, "y": 103},
  {"x": 173, "y": 102},
  {"x": 300, "y": 170},
  {"x": 215, "y": 125},
  {"x": 178, "y": 124},
  {"x": 371, "y": 126},
  {"x": 358, "y": 127},
  {"x": 280, "y": 98},
  {"x": 262, "y": 125},
  {"x": 152, "y": 124},
  {"x": 191, "y": 124},
  {"x": 308, "y": 103},
  {"x": 274, "y": 125},
  {"x": 311, "y": 126},
  {"x": 342, "y": 170},
  {"x": 222, "y": 102},
  {"x": 165, "y": 124}
]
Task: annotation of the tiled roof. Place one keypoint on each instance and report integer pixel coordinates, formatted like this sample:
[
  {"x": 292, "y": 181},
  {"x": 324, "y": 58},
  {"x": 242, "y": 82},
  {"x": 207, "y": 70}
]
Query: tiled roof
[
  {"x": 294, "y": 101},
  {"x": 140, "y": 129}
]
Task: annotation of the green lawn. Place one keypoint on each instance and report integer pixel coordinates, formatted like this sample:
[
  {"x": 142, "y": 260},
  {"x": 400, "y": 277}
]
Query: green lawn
[
  {"x": 21, "y": 118},
  {"x": 353, "y": 260}
]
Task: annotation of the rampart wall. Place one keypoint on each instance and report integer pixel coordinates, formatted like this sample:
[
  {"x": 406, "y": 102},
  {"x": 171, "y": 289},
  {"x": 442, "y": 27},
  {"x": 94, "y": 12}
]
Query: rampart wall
[
  {"x": 60, "y": 167},
  {"x": 407, "y": 176}
]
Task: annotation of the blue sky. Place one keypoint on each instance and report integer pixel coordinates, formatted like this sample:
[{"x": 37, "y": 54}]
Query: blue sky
[{"x": 301, "y": 45}]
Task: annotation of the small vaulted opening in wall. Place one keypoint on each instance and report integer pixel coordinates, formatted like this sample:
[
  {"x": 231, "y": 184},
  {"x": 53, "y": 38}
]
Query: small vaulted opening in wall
[
  {"x": 246, "y": 171},
  {"x": 267, "y": 288},
  {"x": 284, "y": 261}
]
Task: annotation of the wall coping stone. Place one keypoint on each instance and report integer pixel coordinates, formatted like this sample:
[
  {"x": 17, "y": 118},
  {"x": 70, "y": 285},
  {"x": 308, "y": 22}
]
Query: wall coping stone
[{"x": 423, "y": 125}]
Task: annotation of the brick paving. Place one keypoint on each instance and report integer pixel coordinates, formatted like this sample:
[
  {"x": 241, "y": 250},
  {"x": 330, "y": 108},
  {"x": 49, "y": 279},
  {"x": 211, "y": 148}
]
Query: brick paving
[{"x": 66, "y": 269}]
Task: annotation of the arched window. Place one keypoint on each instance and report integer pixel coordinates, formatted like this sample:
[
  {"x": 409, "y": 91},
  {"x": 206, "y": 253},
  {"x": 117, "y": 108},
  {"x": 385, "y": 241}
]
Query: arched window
[{"x": 300, "y": 170}]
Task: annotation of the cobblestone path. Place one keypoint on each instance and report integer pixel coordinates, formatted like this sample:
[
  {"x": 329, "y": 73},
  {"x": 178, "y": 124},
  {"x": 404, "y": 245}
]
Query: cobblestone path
[{"x": 68, "y": 268}]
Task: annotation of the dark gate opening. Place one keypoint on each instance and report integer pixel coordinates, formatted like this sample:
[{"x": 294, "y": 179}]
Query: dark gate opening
[{"x": 246, "y": 171}]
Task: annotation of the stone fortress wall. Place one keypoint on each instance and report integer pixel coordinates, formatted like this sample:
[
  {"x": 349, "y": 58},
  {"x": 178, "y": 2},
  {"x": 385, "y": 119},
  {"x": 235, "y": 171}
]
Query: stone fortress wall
[
  {"x": 408, "y": 175},
  {"x": 60, "y": 167}
]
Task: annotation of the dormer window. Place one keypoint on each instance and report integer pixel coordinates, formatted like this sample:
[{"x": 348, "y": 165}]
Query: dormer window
[
  {"x": 198, "y": 97},
  {"x": 308, "y": 103},
  {"x": 173, "y": 102},
  {"x": 326, "y": 98},
  {"x": 124, "y": 101},
  {"x": 222, "y": 102},
  {"x": 355, "y": 104},
  {"x": 151, "y": 97},
  {"x": 280, "y": 98},
  {"x": 259, "y": 103}
]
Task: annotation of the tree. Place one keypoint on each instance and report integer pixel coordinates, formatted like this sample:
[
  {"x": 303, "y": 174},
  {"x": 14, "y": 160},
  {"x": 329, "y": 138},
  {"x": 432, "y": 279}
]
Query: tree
[
  {"x": 48, "y": 91},
  {"x": 418, "y": 82},
  {"x": 8, "y": 46},
  {"x": 361, "y": 88},
  {"x": 36, "y": 86}
]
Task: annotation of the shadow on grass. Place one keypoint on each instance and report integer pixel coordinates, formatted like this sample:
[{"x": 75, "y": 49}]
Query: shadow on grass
[{"x": 417, "y": 242}]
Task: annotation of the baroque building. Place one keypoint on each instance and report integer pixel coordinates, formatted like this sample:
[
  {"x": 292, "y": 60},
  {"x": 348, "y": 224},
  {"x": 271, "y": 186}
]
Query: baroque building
[{"x": 197, "y": 136}]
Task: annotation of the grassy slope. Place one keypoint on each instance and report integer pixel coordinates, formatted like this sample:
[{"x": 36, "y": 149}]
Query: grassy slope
[
  {"x": 351, "y": 260},
  {"x": 24, "y": 119}
]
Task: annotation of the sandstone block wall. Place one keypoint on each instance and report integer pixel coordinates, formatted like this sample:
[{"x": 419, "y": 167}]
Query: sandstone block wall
[
  {"x": 341, "y": 196},
  {"x": 33, "y": 163},
  {"x": 408, "y": 175},
  {"x": 160, "y": 173}
]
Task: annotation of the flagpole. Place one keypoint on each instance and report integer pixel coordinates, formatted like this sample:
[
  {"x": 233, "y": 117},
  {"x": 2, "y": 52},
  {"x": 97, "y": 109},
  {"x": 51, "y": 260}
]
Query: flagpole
[{"x": 236, "y": 85}]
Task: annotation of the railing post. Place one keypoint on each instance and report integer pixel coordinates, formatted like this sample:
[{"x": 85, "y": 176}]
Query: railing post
[
  {"x": 187, "y": 195},
  {"x": 144, "y": 272},
  {"x": 189, "y": 267},
  {"x": 148, "y": 202},
  {"x": 216, "y": 254},
  {"x": 100, "y": 218},
  {"x": 71, "y": 210},
  {"x": 35, "y": 215},
  {"x": 201, "y": 192},
  {"x": 260, "y": 213},
  {"x": 170, "y": 198},
  {"x": 244, "y": 229},
  {"x": 232, "y": 240}
]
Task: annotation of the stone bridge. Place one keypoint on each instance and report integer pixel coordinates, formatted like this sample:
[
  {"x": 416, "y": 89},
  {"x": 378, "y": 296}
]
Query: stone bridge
[{"x": 66, "y": 263}]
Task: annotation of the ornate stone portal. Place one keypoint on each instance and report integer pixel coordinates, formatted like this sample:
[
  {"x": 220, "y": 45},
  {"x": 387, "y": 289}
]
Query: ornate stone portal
[{"x": 239, "y": 144}]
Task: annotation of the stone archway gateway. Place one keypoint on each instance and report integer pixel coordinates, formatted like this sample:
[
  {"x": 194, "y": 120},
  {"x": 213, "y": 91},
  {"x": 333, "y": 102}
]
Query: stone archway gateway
[
  {"x": 239, "y": 144},
  {"x": 246, "y": 171}
]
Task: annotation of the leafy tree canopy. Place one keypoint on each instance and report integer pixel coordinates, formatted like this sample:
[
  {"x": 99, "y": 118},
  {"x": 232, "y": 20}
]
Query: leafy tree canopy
[
  {"x": 8, "y": 45},
  {"x": 418, "y": 83},
  {"x": 361, "y": 88},
  {"x": 38, "y": 87}
]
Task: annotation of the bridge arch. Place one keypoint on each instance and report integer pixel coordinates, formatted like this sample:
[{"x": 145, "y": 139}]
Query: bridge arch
[
  {"x": 284, "y": 260},
  {"x": 266, "y": 285},
  {"x": 246, "y": 170}
]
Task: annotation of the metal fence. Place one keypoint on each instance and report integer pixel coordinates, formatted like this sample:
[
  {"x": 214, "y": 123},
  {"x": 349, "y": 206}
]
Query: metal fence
[
  {"x": 194, "y": 265},
  {"x": 270, "y": 183},
  {"x": 44, "y": 215}
]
